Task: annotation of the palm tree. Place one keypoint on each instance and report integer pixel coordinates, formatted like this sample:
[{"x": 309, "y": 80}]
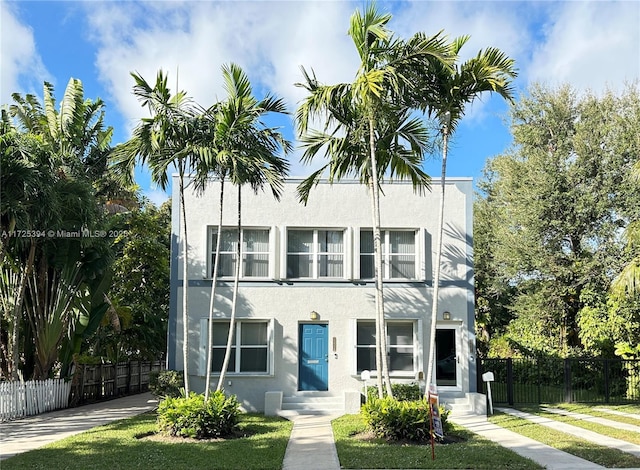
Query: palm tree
[
  {"x": 443, "y": 92},
  {"x": 57, "y": 145},
  {"x": 369, "y": 130},
  {"x": 244, "y": 150},
  {"x": 162, "y": 141}
]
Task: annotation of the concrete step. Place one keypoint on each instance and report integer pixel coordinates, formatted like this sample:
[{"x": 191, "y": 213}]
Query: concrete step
[{"x": 312, "y": 403}]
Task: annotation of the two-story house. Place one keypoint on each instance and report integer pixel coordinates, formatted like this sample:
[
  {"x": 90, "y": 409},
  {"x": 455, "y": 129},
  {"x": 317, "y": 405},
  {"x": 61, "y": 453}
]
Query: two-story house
[{"x": 305, "y": 327}]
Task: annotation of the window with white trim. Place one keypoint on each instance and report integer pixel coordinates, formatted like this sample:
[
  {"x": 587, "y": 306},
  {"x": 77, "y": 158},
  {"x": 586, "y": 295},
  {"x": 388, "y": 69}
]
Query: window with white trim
[
  {"x": 315, "y": 253},
  {"x": 398, "y": 254},
  {"x": 250, "y": 347},
  {"x": 254, "y": 252},
  {"x": 400, "y": 346}
]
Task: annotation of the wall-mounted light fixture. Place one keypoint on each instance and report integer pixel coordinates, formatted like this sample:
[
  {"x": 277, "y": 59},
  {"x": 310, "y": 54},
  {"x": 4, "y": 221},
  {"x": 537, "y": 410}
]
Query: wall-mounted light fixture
[
  {"x": 314, "y": 315},
  {"x": 446, "y": 315}
]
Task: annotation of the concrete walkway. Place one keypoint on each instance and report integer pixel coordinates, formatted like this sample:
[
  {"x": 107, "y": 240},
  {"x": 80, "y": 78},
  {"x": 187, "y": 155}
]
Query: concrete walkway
[
  {"x": 30, "y": 433},
  {"x": 576, "y": 431},
  {"x": 594, "y": 419},
  {"x": 542, "y": 454},
  {"x": 311, "y": 445}
]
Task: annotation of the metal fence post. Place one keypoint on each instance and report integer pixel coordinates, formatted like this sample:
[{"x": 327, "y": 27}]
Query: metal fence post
[
  {"x": 510, "y": 393},
  {"x": 567, "y": 381}
]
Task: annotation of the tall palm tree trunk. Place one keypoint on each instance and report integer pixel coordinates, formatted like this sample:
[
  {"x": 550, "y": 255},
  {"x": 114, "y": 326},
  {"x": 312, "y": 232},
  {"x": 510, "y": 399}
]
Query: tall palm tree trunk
[
  {"x": 234, "y": 302},
  {"x": 214, "y": 282},
  {"x": 185, "y": 286},
  {"x": 17, "y": 311},
  {"x": 381, "y": 336},
  {"x": 436, "y": 277}
]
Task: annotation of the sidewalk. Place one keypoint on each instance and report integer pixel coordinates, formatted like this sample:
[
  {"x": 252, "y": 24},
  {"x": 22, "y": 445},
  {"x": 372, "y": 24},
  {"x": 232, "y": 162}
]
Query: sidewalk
[
  {"x": 547, "y": 456},
  {"x": 30, "y": 433},
  {"x": 311, "y": 445},
  {"x": 577, "y": 431}
]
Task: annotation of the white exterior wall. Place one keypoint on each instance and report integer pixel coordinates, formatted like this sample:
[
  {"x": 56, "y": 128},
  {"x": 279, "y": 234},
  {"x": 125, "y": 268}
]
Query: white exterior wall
[{"x": 338, "y": 303}]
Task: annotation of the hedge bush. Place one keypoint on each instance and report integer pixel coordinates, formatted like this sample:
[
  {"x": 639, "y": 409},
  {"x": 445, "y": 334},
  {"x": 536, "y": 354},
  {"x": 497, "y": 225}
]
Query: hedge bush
[
  {"x": 397, "y": 420},
  {"x": 402, "y": 392},
  {"x": 199, "y": 419},
  {"x": 168, "y": 383}
]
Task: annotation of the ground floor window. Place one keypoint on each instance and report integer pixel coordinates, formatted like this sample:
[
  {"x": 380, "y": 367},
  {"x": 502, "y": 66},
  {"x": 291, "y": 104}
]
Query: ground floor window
[
  {"x": 250, "y": 350},
  {"x": 401, "y": 349}
]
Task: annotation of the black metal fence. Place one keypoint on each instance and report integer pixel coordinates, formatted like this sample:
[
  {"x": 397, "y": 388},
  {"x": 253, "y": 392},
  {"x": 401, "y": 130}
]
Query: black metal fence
[
  {"x": 105, "y": 381},
  {"x": 555, "y": 380}
]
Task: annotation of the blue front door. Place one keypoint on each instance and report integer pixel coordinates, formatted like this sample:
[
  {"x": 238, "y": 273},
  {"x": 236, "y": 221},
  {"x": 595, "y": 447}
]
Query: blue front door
[{"x": 313, "y": 357}]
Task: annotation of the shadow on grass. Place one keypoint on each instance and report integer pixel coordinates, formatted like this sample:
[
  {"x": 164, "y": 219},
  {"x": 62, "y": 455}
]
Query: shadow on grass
[{"x": 115, "y": 446}]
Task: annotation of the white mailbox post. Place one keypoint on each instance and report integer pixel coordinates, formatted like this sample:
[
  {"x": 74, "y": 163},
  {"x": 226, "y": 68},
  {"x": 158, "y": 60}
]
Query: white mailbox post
[
  {"x": 365, "y": 376},
  {"x": 488, "y": 377}
]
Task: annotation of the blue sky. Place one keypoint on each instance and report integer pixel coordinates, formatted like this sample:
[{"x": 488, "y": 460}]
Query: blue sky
[{"x": 592, "y": 45}]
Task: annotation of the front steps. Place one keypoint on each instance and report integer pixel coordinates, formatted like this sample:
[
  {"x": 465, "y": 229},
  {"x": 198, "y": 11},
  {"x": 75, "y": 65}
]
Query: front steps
[
  {"x": 471, "y": 404},
  {"x": 311, "y": 403}
]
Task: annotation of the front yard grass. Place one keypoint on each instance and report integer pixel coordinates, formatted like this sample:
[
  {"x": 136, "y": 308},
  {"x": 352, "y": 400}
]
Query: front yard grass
[
  {"x": 355, "y": 451},
  {"x": 605, "y": 456},
  {"x": 125, "y": 445}
]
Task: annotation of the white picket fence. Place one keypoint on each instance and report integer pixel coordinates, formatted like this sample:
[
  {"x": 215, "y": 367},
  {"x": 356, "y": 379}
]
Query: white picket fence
[{"x": 19, "y": 399}]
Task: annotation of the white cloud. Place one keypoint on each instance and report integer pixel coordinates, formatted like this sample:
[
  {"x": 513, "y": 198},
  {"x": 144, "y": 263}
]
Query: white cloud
[
  {"x": 270, "y": 40},
  {"x": 21, "y": 68},
  {"x": 591, "y": 45},
  {"x": 156, "y": 196}
]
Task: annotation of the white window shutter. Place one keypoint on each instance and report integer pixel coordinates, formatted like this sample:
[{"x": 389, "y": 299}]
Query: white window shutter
[
  {"x": 283, "y": 252},
  {"x": 274, "y": 259},
  {"x": 356, "y": 253},
  {"x": 202, "y": 356},
  {"x": 348, "y": 254}
]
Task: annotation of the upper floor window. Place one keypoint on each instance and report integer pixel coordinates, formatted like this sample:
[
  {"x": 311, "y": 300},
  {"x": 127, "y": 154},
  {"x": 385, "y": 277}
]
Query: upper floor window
[
  {"x": 315, "y": 253},
  {"x": 254, "y": 252},
  {"x": 398, "y": 254}
]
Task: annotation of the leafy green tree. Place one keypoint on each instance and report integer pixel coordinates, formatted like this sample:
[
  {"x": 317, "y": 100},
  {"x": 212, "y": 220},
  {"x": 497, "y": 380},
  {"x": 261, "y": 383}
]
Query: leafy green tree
[
  {"x": 138, "y": 293},
  {"x": 443, "y": 92},
  {"x": 163, "y": 141},
  {"x": 558, "y": 200},
  {"x": 369, "y": 132},
  {"x": 55, "y": 146}
]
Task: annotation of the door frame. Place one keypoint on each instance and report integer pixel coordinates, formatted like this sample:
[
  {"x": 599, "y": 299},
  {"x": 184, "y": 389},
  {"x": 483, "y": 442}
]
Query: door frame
[
  {"x": 457, "y": 329},
  {"x": 299, "y": 355}
]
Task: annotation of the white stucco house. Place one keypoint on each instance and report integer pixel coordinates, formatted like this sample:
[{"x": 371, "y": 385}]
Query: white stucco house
[{"x": 305, "y": 318}]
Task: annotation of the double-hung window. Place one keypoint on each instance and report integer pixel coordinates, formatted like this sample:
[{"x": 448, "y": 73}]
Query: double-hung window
[
  {"x": 254, "y": 252},
  {"x": 400, "y": 346},
  {"x": 315, "y": 253},
  {"x": 249, "y": 350},
  {"x": 398, "y": 254}
]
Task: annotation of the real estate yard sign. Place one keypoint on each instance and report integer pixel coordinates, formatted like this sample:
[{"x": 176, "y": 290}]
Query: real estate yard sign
[{"x": 434, "y": 412}]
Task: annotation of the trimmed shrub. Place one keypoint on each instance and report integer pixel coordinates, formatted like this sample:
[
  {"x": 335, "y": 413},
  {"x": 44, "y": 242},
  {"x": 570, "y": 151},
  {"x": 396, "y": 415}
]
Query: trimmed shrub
[
  {"x": 193, "y": 417},
  {"x": 402, "y": 392},
  {"x": 397, "y": 420},
  {"x": 167, "y": 383}
]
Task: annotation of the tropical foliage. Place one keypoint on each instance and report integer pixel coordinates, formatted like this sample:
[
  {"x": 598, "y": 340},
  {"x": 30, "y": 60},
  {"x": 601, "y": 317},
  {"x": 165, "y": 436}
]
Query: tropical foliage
[
  {"x": 548, "y": 227},
  {"x": 56, "y": 258}
]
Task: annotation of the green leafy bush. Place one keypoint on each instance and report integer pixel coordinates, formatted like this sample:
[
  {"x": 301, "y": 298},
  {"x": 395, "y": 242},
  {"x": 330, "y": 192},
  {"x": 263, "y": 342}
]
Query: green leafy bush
[
  {"x": 199, "y": 419},
  {"x": 397, "y": 420},
  {"x": 402, "y": 392},
  {"x": 167, "y": 383}
]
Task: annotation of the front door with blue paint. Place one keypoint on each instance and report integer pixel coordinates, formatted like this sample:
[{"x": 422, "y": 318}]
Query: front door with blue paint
[{"x": 313, "y": 357}]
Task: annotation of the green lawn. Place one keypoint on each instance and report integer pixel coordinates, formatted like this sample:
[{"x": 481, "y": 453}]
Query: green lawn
[
  {"x": 475, "y": 452},
  {"x": 610, "y": 458},
  {"x": 119, "y": 446}
]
